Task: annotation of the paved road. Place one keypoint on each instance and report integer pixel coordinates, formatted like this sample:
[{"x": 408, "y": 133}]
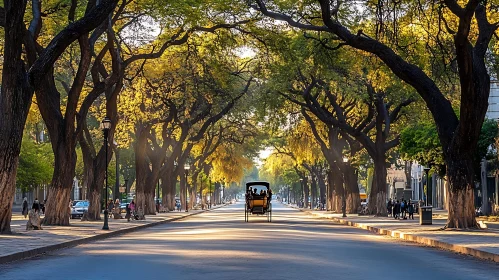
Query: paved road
[{"x": 219, "y": 245}]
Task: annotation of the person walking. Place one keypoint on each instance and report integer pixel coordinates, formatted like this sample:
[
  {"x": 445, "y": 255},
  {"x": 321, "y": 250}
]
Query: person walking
[
  {"x": 110, "y": 207},
  {"x": 117, "y": 208},
  {"x": 128, "y": 213},
  {"x": 389, "y": 206},
  {"x": 25, "y": 207},
  {"x": 43, "y": 206},
  {"x": 132, "y": 207},
  {"x": 403, "y": 204},
  {"x": 396, "y": 210},
  {"x": 36, "y": 205},
  {"x": 410, "y": 209}
]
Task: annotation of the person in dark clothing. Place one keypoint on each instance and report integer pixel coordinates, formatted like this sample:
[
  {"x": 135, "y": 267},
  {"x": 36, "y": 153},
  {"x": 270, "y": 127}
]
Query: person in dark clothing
[
  {"x": 396, "y": 211},
  {"x": 389, "y": 206},
  {"x": 128, "y": 214},
  {"x": 25, "y": 207},
  {"x": 410, "y": 209},
  {"x": 36, "y": 205},
  {"x": 43, "y": 206},
  {"x": 403, "y": 208}
]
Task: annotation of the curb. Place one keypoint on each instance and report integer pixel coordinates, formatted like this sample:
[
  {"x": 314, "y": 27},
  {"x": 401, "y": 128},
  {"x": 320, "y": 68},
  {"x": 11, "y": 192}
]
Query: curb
[
  {"x": 73, "y": 243},
  {"x": 413, "y": 238}
]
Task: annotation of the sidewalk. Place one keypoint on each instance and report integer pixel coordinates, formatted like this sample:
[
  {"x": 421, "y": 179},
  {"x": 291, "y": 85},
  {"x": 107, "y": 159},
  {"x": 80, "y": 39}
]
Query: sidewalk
[
  {"x": 24, "y": 244},
  {"x": 482, "y": 244}
]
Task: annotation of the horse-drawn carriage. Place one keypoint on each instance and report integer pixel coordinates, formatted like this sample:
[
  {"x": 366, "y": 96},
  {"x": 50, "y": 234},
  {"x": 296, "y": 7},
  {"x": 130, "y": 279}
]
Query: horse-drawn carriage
[{"x": 258, "y": 197}]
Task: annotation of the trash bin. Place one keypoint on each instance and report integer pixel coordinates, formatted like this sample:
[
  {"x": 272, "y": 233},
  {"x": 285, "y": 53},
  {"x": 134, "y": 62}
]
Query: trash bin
[{"x": 425, "y": 215}]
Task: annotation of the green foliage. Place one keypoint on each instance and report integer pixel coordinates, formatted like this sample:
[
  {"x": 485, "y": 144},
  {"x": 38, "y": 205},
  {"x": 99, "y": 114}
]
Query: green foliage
[
  {"x": 36, "y": 165},
  {"x": 421, "y": 143}
]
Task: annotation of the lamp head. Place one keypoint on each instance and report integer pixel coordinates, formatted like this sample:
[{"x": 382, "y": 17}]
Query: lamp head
[
  {"x": 105, "y": 124},
  {"x": 345, "y": 159},
  {"x": 187, "y": 166}
]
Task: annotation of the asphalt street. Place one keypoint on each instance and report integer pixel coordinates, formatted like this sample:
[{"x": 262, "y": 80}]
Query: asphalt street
[{"x": 220, "y": 245}]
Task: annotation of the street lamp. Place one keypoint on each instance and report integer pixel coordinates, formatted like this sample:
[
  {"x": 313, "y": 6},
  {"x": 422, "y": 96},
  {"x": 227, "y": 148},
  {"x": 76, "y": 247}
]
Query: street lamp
[
  {"x": 301, "y": 196},
  {"x": 105, "y": 126},
  {"x": 186, "y": 168},
  {"x": 344, "y": 200},
  {"x": 157, "y": 199},
  {"x": 211, "y": 195},
  {"x": 117, "y": 186},
  {"x": 223, "y": 191}
]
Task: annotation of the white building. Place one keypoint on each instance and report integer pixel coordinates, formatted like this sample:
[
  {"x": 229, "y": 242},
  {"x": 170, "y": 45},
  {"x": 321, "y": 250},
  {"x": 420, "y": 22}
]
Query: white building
[{"x": 493, "y": 110}]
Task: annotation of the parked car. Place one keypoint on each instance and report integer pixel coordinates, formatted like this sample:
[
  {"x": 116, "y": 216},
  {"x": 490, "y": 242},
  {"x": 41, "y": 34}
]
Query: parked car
[
  {"x": 76, "y": 201},
  {"x": 79, "y": 208}
]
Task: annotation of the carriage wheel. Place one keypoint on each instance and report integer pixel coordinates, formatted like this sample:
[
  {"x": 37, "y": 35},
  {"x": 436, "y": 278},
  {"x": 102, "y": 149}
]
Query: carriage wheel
[
  {"x": 246, "y": 213},
  {"x": 270, "y": 212}
]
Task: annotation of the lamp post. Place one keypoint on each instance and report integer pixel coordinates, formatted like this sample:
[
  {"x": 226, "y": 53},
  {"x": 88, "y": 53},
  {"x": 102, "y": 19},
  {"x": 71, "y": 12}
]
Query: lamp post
[
  {"x": 223, "y": 191},
  {"x": 117, "y": 185},
  {"x": 186, "y": 168},
  {"x": 211, "y": 195},
  {"x": 427, "y": 171},
  {"x": 344, "y": 200},
  {"x": 105, "y": 126},
  {"x": 301, "y": 196},
  {"x": 157, "y": 198}
]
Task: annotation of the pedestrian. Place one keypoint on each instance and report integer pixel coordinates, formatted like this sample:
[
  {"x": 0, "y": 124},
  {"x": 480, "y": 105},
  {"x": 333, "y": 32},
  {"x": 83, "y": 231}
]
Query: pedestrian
[
  {"x": 393, "y": 208},
  {"x": 128, "y": 213},
  {"x": 410, "y": 209},
  {"x": 389, "y": 207},
  {"x": 25, "y": 207},
  {"x": 132, "y": 207},
  {"x": 117, "y": 208},
  {"x": 110, "y": 207},
  {"x": 396, "y": 211},
  {"x": 43, "y": 206},
  {"x": 403, "y": 204},
  {"x": 36, "y": 205}
]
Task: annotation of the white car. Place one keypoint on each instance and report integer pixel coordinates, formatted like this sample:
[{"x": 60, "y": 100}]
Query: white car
[{"x": 79, "y": 208}]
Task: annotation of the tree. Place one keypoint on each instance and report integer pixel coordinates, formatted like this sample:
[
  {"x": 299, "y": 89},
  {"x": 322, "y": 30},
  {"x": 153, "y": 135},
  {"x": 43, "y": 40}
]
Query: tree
[
  {"x": 19, "y": 84},
  {"x": 471, "y": 38}
]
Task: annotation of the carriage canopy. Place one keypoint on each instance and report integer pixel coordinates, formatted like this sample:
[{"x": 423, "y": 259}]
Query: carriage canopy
[{"x": 261, "y": 185}]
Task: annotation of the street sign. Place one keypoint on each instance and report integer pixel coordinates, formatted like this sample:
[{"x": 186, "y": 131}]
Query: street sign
[{"x": 122, "y": 189}]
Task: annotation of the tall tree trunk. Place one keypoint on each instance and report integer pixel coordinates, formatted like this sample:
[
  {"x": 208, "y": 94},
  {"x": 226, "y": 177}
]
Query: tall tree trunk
[
  {"x": 377, "y": 197},
  {"x": 94, "y": 187},
  {"x": 330, "y": 191},
  {"x": 57, "y": 208},
  {"x": 313, "y": 187},
  {"x": 337, "y": 189},
  {"x": 150, "y": 205},
  {"x": 461, "y": 196},
  {"x": 141, "y": 166},
  {"x": 15, "y": 100},
  {"x": 306, "y": 192},
  {"x": 182, "y": 193},
  {"x": 352, "y": 188},
  {"x": 168, "y": 190},
  {"x": 192, "y": 198},
  {"x": 322, "y": 188}
]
